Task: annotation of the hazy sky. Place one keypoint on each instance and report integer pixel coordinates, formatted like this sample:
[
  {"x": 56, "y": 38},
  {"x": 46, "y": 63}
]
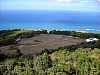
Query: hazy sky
[{"x": 80, "y": 5}]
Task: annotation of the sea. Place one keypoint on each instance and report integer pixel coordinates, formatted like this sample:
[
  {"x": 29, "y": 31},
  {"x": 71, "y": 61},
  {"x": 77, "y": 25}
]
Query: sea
[{"x": 51, "y": 20}]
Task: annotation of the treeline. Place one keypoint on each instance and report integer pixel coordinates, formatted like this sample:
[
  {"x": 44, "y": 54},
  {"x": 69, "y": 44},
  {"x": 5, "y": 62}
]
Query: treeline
[{"x": 76, "y": 34}]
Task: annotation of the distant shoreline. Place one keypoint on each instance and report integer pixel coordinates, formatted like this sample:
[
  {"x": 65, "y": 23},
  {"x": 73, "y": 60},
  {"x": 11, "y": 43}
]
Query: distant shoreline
[
  {"x": 48, "y": 30},
  {"x": 62, "y": 26}
]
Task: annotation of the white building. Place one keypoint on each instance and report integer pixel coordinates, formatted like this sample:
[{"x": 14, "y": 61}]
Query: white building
[{"x": 92, "y": 40}]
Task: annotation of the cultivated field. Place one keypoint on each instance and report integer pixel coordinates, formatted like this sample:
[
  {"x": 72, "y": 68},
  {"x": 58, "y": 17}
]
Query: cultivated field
[{"x": 34, "y": 45}]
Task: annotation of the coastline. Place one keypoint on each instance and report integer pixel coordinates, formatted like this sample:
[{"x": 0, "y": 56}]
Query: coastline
[
  {"x": 48, "y": 30},
  {"x": 94, "y": 28}
]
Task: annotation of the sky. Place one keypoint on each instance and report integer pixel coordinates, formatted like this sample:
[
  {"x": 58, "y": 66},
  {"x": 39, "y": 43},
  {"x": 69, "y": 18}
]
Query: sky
[{"x": 77, "y": 5}]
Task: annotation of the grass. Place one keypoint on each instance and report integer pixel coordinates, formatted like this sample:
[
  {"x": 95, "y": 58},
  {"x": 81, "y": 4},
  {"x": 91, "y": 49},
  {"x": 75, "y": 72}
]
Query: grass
[
  {"x": 8, "y": 37},
  {"x": 14, "y": 33},
  {"x": 82, "y": 61}
]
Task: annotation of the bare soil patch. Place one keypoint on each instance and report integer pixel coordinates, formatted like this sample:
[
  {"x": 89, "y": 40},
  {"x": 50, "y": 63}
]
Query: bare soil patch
[{"x": 34, "y": 45}]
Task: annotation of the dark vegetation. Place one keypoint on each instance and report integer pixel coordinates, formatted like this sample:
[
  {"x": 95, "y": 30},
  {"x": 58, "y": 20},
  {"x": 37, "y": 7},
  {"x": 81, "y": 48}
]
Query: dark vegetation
[
  {"x": 76, "y": 34},
  {"x": 8, "y": 37},
  {"x": 80, "y": 59}
]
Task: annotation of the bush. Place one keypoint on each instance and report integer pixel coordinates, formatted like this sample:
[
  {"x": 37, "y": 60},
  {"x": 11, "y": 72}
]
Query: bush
[{"x": 76, "y": 34}]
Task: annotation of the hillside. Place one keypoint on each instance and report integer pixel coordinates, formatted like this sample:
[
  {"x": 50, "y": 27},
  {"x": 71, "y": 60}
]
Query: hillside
[
  {"x": 56, "y": 53},
  {"x": 61, "y": 62}
]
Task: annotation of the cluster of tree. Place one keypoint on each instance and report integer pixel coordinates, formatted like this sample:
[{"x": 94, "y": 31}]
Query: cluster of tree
[
  {"x": 76, "y": 34},
  {"x": 5, "y": 39},
  {"x": 8, "y": 37},
  {"x": 61, "y": 62},
  {"x": 30, "y": 34}
]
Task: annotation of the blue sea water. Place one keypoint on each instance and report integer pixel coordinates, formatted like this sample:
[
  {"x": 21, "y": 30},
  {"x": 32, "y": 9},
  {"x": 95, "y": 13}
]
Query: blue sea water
[
  {"x": 52, "y": 26},
  {"x": 51, "y": 20}
]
